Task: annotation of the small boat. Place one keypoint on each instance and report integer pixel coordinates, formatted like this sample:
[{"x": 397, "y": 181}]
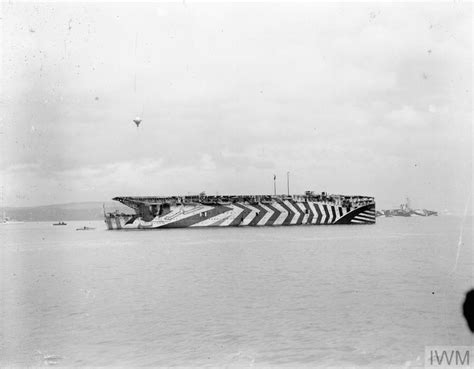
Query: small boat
[
  {"x": 84, "y": 229},
  {"x": 59, "y": 223}
]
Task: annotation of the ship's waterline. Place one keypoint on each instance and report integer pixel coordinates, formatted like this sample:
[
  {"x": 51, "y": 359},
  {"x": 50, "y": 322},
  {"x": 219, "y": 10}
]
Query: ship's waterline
[{"x": 240, "y": 210}]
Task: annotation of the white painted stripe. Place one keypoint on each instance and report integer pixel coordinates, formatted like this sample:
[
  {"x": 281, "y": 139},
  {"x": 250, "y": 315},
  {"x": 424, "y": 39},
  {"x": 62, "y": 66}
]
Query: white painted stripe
[
  {"x": 305, "y": 219},
  {"x": 282, "y": 216},
  {"x": 357, "y": 221},
  {"x": 366, "y": 216},
  {"x": 321, "y": 208},
  {"x": 295, "y": 212},
  {"x": 363, "y": 219},
  {"x": 313, "y": 210},
  {"x": 210, "y": 221},
  {"x": 344, "y": 211},
  {"x": 366, "y": 219},
  {"x": 204, "y": 223},
  {"x": 251, "y": 215},
  {"x": 303, "y": 209},
  {"x": 332, "y": 208},
  {"x": 179, "y": 214},
  {"x": 267, "y": 216},
  {"x": 236, "y": 211}
]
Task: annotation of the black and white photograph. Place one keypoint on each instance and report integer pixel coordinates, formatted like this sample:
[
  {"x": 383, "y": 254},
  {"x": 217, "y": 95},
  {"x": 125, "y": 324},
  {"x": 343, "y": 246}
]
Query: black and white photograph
[{"x": 236, "y": 184}]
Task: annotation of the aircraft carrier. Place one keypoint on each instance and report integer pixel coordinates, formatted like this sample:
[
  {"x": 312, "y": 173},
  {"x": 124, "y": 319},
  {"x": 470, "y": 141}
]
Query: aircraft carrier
[{"x": 156, "y": 212}]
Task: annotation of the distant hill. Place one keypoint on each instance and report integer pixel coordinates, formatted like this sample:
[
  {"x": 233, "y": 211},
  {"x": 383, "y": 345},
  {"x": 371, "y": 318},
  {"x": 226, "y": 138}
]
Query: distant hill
[{"x": 70, "y": 211}]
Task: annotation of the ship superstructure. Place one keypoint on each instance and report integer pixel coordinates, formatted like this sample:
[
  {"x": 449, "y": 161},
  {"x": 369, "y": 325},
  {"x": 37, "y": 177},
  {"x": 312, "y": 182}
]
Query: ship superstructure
[{"x": 242, "y": 210}]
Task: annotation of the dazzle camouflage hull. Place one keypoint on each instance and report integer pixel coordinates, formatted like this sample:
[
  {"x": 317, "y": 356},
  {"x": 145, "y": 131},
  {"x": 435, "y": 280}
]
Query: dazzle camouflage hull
[{"x": 238, "y": 211}]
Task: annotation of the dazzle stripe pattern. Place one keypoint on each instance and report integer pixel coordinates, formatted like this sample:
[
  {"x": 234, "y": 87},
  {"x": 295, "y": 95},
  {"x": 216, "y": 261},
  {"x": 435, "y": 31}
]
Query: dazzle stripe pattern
[{"x": 278, "y": 212}]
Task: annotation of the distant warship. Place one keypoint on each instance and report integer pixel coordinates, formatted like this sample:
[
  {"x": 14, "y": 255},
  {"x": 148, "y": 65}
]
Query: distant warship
[{"x": 406, "y": 211}]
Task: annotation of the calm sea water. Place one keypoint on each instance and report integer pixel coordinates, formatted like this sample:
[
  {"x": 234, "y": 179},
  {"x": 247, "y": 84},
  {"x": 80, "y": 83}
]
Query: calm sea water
[{"x": 288, "y": 296}]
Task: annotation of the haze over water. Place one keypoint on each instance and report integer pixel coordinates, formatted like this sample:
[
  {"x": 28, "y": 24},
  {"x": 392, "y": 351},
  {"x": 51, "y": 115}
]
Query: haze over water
[{"x": 300, "y": 296}]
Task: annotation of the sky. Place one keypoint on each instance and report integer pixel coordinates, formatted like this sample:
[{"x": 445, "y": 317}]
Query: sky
[{"x": 351, "y": 98}]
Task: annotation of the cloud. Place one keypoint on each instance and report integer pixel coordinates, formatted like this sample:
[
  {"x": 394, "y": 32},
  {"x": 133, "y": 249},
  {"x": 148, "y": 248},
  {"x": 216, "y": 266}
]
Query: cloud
[{"x": 347, "y": 97}]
